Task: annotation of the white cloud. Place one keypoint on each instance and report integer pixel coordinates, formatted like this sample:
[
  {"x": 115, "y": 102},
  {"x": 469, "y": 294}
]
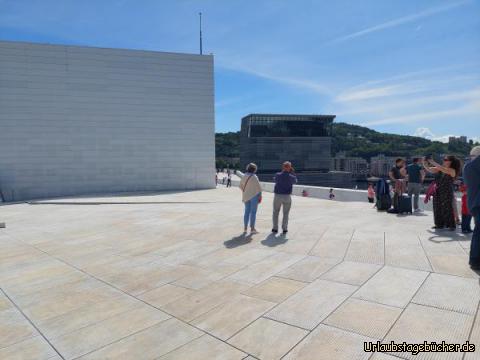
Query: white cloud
[
  {"x": 469, "y": 108},
  {"x": 428, "y": 134},
  {"x": 367, "y": 93},
  {"x": 401, "y": 21},
  {"x": 279, "y": 76},
  {"x": 424, "y": 132}
]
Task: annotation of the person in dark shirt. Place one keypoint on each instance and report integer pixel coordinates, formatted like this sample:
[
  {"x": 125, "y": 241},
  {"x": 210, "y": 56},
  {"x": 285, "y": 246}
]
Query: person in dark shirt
[
  {"x": 284, "y": 181},
  {"x": 397, "y": 176},
  {"x": 416, "y": 175},
  {"x": 471, "y": 174}
]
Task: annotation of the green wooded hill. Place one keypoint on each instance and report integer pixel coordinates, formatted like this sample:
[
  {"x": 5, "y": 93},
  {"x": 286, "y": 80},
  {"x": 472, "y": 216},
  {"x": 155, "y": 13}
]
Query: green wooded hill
[{"x": 362, "y": 142}]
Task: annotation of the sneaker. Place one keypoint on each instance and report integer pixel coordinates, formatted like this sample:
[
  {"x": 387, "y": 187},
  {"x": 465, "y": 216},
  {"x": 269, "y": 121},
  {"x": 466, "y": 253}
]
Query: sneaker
[
  {"x": 274, "y": 231},
  {"x": 417, "y": 210},
  {"x": 285, "y": 231}
]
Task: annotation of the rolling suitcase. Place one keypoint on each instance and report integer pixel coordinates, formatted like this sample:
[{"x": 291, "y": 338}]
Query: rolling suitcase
[{"x": 405, "y": 204}]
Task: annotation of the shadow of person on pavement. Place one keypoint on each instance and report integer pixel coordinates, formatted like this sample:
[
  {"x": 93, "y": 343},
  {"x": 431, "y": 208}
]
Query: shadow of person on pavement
[
  {"x": 272, "y": 240},
  {"x": 446, "y": 233},
  {"x": 239, "y": 240}
]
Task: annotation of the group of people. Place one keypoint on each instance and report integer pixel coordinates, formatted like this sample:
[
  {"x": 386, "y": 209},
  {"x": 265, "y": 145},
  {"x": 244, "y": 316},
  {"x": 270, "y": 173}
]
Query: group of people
[
  {"x": 406, "y": 179},
  {"x": 252, "y": 196},
  {"x": 409, "y": 180}
]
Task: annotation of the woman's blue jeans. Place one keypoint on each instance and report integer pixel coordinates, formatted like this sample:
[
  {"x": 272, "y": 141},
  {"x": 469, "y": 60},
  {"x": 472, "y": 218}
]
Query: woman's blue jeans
[{"x": 250, "y": 214}]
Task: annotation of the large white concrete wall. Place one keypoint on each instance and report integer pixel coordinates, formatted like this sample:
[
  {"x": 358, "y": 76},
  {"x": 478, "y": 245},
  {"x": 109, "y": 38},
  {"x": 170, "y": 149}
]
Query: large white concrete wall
[{"x": 82, "y": 120}]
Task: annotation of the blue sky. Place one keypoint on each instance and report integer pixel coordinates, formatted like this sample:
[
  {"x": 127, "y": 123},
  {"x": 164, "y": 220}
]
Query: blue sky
[{"x": 403, "y": 66}]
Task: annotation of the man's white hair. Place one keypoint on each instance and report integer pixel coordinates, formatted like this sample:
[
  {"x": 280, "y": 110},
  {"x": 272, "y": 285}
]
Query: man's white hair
[{"x": 475, "y": 152}]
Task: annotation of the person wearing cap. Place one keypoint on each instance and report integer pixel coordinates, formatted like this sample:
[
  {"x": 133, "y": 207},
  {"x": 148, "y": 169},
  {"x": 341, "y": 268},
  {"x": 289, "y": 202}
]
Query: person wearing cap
[
  {"x": 471, "y": 175},
  {"x": 284, "y": 182}
]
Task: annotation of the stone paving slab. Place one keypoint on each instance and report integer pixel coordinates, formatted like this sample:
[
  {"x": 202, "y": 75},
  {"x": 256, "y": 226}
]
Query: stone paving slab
[
  {"x": 392, "y": 286},
  {"x": 367, "y": 246},
  {"x": 326, "y": 343},
  {"x": 112, "y": 329},
  {"x": 333, "y": 243},
  {"x": 266, "y": 268},
  {"x": 193, "y": 305},
  {"x": 205, "y": 347},
  {"x": 164, "y": 295},
  {"x": 403, "y": 249},
  {"x": 35, "y": 348},
  {"x": 474, "y": 339},
  {"x": 364, "y": 318},
  {"x": 150, "y": 343},
  {"x": 352, "y": 273},
  {"x": 227, "y": 319},
  {"x": 85, "y": 316},
  {"x": 309, "y": 306},
  {"x": 268, "y": 339},
  {"x": 430, "y": 324},
  {"x": 275, "y": 289},
  {"x": 172, "y": 276},
  {"x": 449, "y": 293},
  {"x": 309, "y": 268},
  {"x": 14, "y": 327}
]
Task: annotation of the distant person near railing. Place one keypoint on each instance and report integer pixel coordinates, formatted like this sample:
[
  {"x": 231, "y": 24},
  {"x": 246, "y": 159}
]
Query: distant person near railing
[{"x": 331, "y": 195}]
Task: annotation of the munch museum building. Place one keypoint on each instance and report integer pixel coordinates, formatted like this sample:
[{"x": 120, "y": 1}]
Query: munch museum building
[{"x": 305, "y": 140}]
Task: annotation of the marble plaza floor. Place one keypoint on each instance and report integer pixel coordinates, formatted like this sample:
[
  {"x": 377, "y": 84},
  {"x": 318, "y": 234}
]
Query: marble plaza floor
[{"x": 170, "y": 276}]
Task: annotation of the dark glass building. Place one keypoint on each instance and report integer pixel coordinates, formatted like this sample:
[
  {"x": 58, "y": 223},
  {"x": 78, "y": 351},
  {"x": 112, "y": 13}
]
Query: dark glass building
[{"x": 270, "y": 139}]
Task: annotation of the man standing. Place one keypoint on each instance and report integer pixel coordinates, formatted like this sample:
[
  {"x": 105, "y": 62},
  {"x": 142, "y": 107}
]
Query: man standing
[
  {"x": 284, "y": 181},
  {"x": 416, "y": 175},
  {"x": 471, "y": 174},
  {"x": 397, "y": 176}
]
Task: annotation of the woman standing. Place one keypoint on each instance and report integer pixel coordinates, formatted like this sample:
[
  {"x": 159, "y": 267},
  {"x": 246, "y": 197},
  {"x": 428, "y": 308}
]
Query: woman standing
[
  {"x": 446, "y": 174},
  {"x": 251, "y": 196}
]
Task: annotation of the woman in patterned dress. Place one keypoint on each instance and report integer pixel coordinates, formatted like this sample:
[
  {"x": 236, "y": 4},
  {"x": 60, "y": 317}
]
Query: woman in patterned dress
[{"x": 446, "y": 174}]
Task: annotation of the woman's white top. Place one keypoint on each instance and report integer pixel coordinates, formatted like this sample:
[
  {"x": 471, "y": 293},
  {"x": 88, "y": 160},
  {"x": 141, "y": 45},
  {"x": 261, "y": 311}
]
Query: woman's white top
[{"x": 251, "y": 187}]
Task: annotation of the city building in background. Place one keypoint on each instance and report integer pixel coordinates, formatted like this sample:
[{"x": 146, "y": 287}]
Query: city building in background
[
  {"x": 355, "y": 165},
  {"x": 82, "y": 120},
  {"x": 461, "y": 139},
  {"x": 380, "y": 165},
  {"x": 305, "y": 140}
]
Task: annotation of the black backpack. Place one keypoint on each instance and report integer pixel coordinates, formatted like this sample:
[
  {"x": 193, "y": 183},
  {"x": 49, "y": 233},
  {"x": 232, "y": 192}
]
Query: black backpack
[{"x": 382, "y": 193}]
